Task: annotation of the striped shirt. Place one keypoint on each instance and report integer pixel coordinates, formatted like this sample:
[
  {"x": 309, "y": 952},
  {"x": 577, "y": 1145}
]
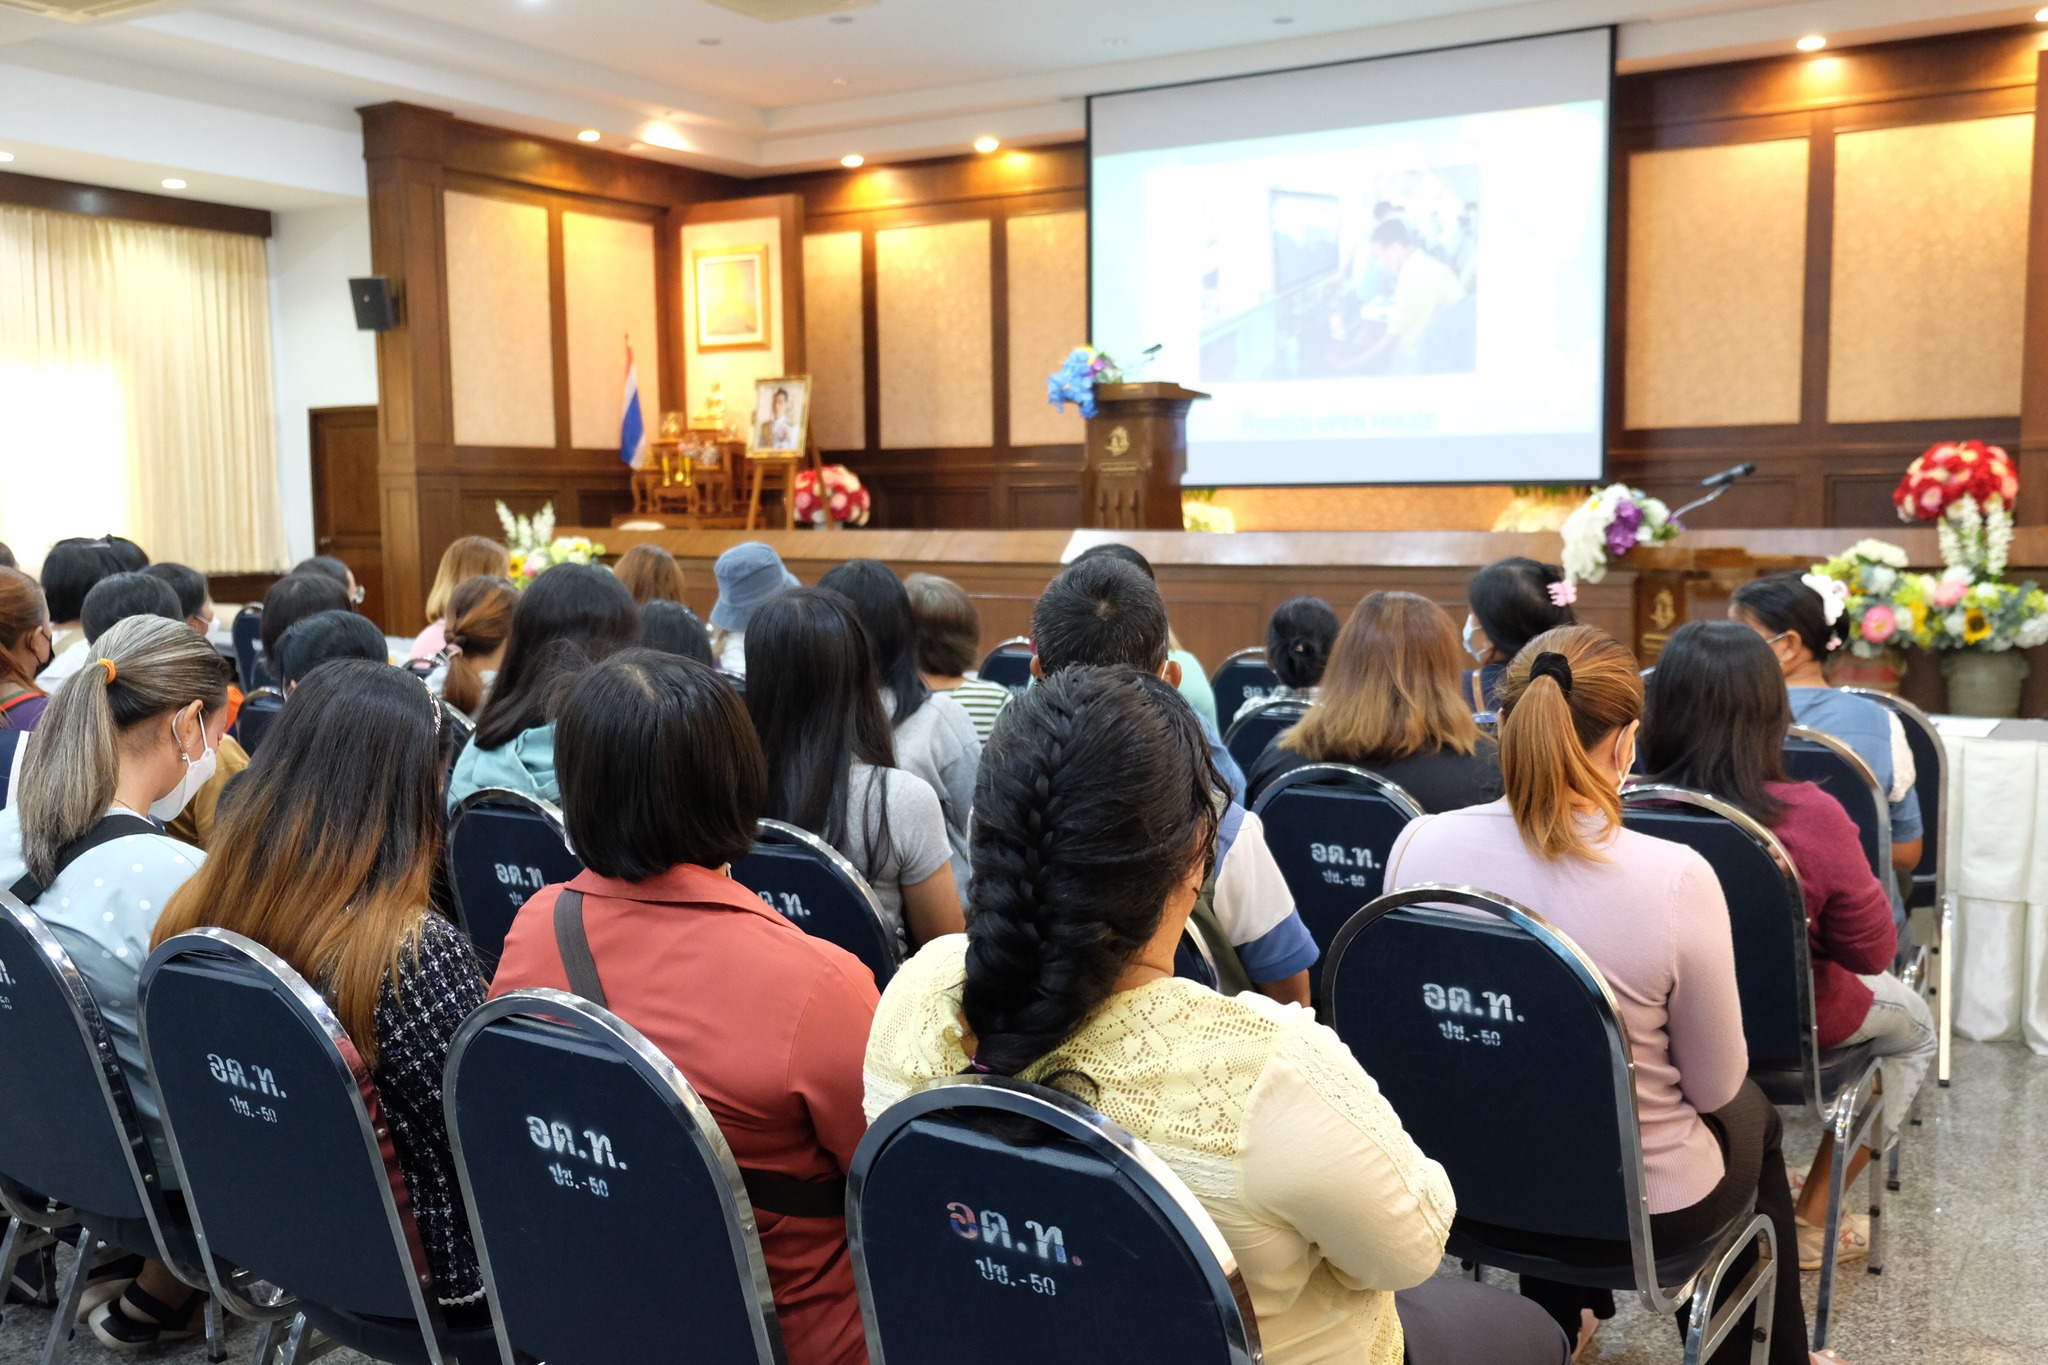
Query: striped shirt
[{"x": 982, "y": 701}]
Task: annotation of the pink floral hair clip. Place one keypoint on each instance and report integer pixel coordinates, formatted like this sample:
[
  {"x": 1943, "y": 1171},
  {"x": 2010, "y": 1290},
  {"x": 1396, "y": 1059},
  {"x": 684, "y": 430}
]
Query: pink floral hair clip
[{"x": 1563, "y": 593}]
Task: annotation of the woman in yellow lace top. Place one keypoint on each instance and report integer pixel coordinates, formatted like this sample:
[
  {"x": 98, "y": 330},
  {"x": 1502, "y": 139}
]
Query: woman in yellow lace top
[{"x": 1094, "y": 823}]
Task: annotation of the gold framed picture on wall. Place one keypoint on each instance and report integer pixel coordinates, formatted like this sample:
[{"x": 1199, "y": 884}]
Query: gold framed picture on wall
[
  {"x": 782, "y": 416},
  {"x": 731, "y": 286}
]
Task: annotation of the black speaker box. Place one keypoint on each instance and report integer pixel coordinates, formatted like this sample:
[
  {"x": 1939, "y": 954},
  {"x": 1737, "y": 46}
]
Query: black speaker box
[{"x": 376, "y": 310}]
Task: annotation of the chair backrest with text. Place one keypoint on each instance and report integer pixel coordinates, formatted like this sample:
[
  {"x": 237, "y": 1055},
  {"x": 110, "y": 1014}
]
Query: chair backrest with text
[
  {"x": 1008, "y": 664},
  {"x": 1329, "y": 827},
  {"x": 1242, "y": 677},
  {"x": 812, "y": 885},
  {"x": 503, "y": 846},
  {"x": 1010, "y": 1224},
  {"x": 606, "y": 1205}
]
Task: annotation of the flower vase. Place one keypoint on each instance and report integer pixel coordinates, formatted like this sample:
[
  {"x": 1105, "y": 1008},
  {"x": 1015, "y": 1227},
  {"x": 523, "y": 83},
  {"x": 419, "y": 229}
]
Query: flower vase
[
  {"x": 1981, "y": 683},
  {"x": 1881, "y": 674}
]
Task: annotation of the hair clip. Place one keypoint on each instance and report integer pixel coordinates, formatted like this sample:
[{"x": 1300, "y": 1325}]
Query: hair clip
[
  {"x": 974, "y": 1064},
  {"x": 1563, "y": 592},
  {"x": 1833, "y": 593}
]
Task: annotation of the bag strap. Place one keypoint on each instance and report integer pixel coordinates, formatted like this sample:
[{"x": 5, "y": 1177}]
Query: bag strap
[
  {"x": 768, "y": 1191},
  {"x": 111, "y": 827}
]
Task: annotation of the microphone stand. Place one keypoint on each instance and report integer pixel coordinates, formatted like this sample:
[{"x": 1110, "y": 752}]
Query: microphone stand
[{"x": 1679, "y": 515}]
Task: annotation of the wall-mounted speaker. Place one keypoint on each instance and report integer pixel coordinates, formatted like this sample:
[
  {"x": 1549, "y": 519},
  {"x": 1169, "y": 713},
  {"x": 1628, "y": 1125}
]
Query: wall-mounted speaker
[{"x": 376, "y": 310}]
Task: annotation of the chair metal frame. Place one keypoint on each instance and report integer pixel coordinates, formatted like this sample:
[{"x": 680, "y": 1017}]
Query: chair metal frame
[
  {"x": 1945, "y": 902},
  {"x": 496, "y": 796},
  {"x": 1265, "y": 704},
  {"x": 1706, "y": 1329},
  {"x": 1856, "y": 1110},
  {"x": 350, "y": 1072},
  {"x": 1015, "y": 642},
  {"x": 683, "y": 1103},
  {"x": 787, "y": 833},
  {"x": 1075, "y": 1121}
]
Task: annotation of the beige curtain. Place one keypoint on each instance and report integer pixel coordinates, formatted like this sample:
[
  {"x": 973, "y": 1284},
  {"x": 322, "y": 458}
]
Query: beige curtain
[{"x": 135, "y": 390}]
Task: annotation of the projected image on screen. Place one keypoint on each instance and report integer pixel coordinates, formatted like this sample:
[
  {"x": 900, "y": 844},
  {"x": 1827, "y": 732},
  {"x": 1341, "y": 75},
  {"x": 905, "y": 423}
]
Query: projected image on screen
[{"x": 1384, "y": 272}]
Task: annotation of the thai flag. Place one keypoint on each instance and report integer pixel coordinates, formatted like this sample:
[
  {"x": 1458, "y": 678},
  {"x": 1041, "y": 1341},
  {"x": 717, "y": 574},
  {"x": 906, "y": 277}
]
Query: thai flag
[{"x": 632, "y": 430}]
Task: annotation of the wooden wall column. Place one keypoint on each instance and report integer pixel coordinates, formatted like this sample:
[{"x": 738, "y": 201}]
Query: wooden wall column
[{"x": 2032, "y": 452}]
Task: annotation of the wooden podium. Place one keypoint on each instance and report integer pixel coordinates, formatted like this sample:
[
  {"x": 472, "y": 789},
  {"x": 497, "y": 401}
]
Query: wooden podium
[
  {"x": 1675, "y": 585},
  {"x": 1137, "y": 452}
]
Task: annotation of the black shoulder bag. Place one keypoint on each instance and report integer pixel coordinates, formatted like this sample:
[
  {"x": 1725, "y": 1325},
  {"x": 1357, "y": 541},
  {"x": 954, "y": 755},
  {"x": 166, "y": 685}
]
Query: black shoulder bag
[{"x": 111, "y": 827}]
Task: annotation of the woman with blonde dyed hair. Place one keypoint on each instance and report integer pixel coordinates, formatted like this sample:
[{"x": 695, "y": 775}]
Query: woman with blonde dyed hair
[
  {"x": 1651, "y": 916},
  {"x": 1390, "y": 704},
  {"x": 464, "y": 559},
  {"x": 651, "y": 574}
]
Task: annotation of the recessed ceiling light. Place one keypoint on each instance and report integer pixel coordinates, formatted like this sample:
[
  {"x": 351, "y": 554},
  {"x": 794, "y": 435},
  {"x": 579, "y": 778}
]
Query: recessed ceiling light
[
  {"x": 839, "y": 80},
  {"x": 174, "y": 184},
  {"x": 6, "y": 156},
  {"x": 842, "y": 18},
  {"x": 852, "y": 160},
  {"x": 1812, "y": 42},
  {"x": 589, "y": 135},
  {"x": 2041, "y": 16},
  {"x": 1114, "y": 41},
  {"x": 1283, "y": 19},
  {"x": 711, "y": 42},
  {"x": 985, "y": 145}
]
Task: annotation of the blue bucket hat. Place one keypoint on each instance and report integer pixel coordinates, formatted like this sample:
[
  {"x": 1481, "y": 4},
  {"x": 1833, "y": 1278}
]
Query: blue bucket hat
[{"x": 748, "y": 574}]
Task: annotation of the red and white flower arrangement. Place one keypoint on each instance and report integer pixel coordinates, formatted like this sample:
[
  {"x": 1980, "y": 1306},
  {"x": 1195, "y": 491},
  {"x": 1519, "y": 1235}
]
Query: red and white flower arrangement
[
  {"x": 1967, "y": 489},
  {"x": 831, "y": 496}
]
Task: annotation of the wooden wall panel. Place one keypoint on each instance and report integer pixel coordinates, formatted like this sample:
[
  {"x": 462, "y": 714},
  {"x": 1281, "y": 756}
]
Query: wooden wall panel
[
  {"x": 611, "y": 296},
  {"x": 833, "y": 295},
  {"x": 1930, "y": 254},
  {"x": 499, "y": 322},
  {"x": 935, "y": 326},
  {"x": 1048, "y": 317},
  {"x": 1716, "y": 284}
]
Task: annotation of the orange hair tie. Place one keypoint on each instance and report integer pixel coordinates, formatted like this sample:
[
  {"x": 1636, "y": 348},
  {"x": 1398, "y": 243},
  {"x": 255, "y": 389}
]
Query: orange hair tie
[{"x": 108, "y": 664}]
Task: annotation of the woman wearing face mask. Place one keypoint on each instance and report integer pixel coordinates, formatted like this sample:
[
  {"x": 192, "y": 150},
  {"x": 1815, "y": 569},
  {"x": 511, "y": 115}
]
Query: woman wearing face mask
[
  {"x": 24, "y": 650},
  {"x": 1513, "y": 601},
  {"x": 1650, "y": 915},
  {"x": 128, "y": 737}
]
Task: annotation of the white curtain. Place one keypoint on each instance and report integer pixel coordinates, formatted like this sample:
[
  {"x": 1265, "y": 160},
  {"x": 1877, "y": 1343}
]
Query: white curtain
[{"x": 135, "y": 390}]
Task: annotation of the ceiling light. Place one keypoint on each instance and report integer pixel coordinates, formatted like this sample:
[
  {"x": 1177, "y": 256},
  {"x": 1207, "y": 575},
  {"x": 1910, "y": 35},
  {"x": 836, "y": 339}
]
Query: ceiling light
[
  {"x": 985, "y": 145},
  {"x": 6, "y": 156},
  {"x": 1812, "y": 42},
  {"x": 1284, "y": 19},
  {"x": 711, "y": 42},
  {"x": 589, "y": 135},
  {"x": 174, "y": 184},
  {"x": 852, "y": 160},
  {"x": 2041, "y": 16},
  {"x": 839, "y": 80},
  {"x": 842, "y": 18}
]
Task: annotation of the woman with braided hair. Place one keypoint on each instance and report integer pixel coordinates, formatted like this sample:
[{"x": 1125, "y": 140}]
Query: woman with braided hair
[{"x": 1094, "y": 824}]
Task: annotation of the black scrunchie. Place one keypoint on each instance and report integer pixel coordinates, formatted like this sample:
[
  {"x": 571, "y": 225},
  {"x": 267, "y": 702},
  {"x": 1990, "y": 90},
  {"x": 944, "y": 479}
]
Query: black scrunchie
[{"x": 1554, "y": 666}]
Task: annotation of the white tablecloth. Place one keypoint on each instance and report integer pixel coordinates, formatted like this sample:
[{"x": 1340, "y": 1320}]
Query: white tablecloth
[{"x": 1998, "y": 847}]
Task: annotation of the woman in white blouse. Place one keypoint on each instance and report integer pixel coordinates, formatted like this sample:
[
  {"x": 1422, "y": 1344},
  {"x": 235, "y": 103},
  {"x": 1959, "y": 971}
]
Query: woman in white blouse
[
  {"x": 1094, "y": 827},
  {"x": 126, "y": 741}
]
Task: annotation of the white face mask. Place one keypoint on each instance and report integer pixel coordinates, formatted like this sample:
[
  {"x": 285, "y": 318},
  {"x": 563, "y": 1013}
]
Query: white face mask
[
  {"x": 1472, "y": 629},
  {"x": 198, "y": 772}
]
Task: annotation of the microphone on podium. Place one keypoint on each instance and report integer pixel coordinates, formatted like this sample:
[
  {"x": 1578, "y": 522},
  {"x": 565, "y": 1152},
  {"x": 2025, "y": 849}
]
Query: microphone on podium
[{"x": 1717, "y": 484}]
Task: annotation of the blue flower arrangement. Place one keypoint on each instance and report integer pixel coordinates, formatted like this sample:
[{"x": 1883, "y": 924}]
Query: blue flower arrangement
[{"x": 1074, "y": 382}]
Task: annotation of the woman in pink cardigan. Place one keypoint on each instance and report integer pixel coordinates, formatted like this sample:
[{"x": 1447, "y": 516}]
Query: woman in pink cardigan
[
  {"x": 1651, "y": 916},
  {"x": 1716, "y": 720}
]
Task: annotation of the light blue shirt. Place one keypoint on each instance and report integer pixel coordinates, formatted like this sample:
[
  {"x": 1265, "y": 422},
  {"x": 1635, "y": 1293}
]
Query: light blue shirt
[{"x": 525, "y": 763}]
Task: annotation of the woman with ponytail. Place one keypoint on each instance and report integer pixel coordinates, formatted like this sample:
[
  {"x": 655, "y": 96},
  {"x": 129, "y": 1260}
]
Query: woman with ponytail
[
  {"x": 479, "y": 630},
  {"x": 1299, "y": 635},
  {"x": 126, "y": 741},
  {"x": 1512, "y": 602},
  {"x": 1094, "y": 829},
  {"x": 1650, "y": 915}
]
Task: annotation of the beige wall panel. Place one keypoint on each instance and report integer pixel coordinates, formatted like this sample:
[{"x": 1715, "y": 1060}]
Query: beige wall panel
[
  {"x": 608, "y": 278},
  {"x": 1930, "y": 273},
  {"x": 500, "y": 331},
  {"x": 1716, "y": 285},
  {"x": 936, "y": 335},
  {"x": 734, "y": 371},
  {"x": 1048, "y": 318},
  {"x": 833, "y": 341}
]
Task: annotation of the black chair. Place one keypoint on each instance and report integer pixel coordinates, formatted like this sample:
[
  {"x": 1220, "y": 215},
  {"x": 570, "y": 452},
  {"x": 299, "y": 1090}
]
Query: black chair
[
  {"x": 10, "y": 742},
  {"x": 1329, "y": 827},
  {"x": 810, "y": 884},
  {"x": 73, "y": 1151},
  {"x": 1480, "y": 1026},
  {"x": 1930, "y": 880},
  {"x": 1774, "y": 974},
  {"x": 1063, "y": 1238},
  {"x": 1242, "y": 677},
  {"x": 738, "y": 680},
  {"x": 1817, "y": 757},
  {"x": 503, "y": 846},
  {"x": 1008, "y": 664},
  {"x": 252, "y": 722},
  {"x": 1252, "y": 733},
  {"x": 1193, "y": 961},
  {"x": 456, "y": 732},
  {"x": 247, "y": 632},
  {"x": 283, "y": 1152},
  {"x": 422, "y": 668},
  {"x": 608, "y": 1211}
]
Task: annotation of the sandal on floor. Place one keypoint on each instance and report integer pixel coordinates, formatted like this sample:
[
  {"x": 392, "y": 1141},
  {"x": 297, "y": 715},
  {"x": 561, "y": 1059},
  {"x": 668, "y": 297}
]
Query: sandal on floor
[
  {"x": 119, "y": 1330},
  {"x": 1589, "y": 1327},
  {"x": 1852, "y": 1245},
  {"x": 106, "y": 1282}
]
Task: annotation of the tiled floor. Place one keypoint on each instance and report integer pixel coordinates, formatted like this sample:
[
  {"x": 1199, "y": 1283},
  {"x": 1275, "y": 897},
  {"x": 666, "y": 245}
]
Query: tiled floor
[{"x": 1966, "y": 1273}]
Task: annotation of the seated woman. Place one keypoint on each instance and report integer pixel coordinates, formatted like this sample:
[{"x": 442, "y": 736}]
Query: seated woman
[
  {"x": 1715, "y": 720},
  {"x": 327, "y": 636},
  {"x": 1803, "y": 623},
  {"x": 748, "y": 574},
  {"x": 1513, "y": 601},
  {"x": 1389, "y": 703},
  {"x": 71, "y": 569},
  {"x": 935, "y": 739},
  {"x": 1299, "y": 635},
  {"x": 290, "y": 600},
  {"x": 1093, "y": 828},
  {"x": 24, "y": 650},
  {"x": 948, "y": 638},
  {"x": 325, "y": 854},
  {"x": 766, "y": 1022},
  {"x": 572, "y": 616},
  {"x": 464, "y": 559},
  {"x": 479, "y": 631},
  {"x": 651, "y": 574},
  {"x": 1651, "y": 916},
  {"x": 674, "y": 629},
  {"x": 832, "y": 760},
  {"x": 132, "y": 735}
]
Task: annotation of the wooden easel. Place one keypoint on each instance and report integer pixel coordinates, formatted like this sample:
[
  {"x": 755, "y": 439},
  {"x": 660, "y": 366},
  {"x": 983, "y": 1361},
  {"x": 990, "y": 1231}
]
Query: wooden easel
[{"x": 778, "y": 469}]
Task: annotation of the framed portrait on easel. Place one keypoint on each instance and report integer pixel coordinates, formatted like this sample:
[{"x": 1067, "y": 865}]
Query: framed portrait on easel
[{"x": 782, "y": 416}]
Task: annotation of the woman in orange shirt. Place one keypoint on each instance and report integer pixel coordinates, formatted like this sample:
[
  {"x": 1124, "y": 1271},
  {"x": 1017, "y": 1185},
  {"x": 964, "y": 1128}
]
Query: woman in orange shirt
[{"x": 766, "y": 1022}]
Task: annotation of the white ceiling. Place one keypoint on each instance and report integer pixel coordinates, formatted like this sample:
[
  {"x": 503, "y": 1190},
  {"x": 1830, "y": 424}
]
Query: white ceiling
[{"x": 252, "y": 101}]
